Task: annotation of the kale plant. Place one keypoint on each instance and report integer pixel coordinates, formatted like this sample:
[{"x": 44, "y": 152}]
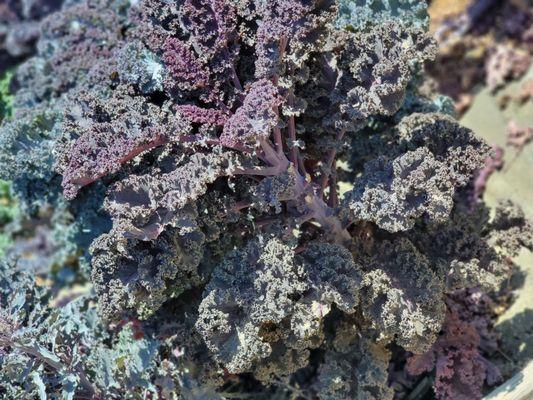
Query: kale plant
[{"x": 263, "y": 182}]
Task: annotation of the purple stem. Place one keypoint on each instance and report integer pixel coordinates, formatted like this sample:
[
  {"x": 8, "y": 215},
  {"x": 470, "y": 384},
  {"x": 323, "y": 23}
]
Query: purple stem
[
  {"x": 292, "y": 136},
  {"x": 319, "y": 210},
  {"x": 329, "y": 164}
]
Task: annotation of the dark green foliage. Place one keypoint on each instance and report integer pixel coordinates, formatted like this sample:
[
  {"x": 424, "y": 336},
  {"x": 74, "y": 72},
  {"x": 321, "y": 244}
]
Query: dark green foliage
[{"x": 6, "y": 99}]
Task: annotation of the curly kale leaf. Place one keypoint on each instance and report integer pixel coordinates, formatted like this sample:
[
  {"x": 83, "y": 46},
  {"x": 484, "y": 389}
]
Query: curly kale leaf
[
  {"x": 58, "y": 346},
  {"x": 456, "y": 356},
  {"x": 109, "y": 132},
  {"x": 402, "y": 296},
  {"x": 134, "y": 275},
  {"x": 6, "y": 98},
  {"x": 263, "y": 306},
  {"x": 374, "y": 70},
  {"x": 355, "y": 367},
  {"x": 26, "y": 156},
  {"x": 440, "y": 157},
  {"x": 143, "y": 206},
  {"x": 247, "y": 304},
  {"x": 254, "y": 120}
]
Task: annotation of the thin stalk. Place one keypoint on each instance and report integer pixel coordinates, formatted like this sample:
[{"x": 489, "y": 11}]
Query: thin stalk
[
  {"x": 265, "y": 222},
  {"x": 234, "y": 76},
  {"x": 241, "y": 205},
  {"x": 319, "y": 210},
  {"x": 333, "y": 195},
  {"x": 283, "y": 42},
  {"x": 87, "y": 179},
  {"x": 329, "y": 164},
  {"x": 278, "y": 140},
  {"x": 292, "y": 137}
]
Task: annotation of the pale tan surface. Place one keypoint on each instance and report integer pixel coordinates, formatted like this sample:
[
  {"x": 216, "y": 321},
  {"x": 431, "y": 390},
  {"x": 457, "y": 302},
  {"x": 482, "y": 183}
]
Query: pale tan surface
[
  {"x": 487, "y": 119},
  {"x": 519, "y": 387},
  {"x": 441, "y": 9}
]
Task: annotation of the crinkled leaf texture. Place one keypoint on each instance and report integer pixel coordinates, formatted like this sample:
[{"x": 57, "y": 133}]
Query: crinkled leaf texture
[
  {"x": 402, "y": 295},
  {"x": 48, "y": 350},
  {"x": 440, "y": 157},
  {"x": 264, "y": 308},
  {"x": 460, "y": 368},
  {"x": 196, "y": 148},
  {"x": 355, "y": 367}
]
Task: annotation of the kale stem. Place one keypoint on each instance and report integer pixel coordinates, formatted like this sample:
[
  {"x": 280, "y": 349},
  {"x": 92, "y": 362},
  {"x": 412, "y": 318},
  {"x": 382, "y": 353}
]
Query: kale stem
[
  {"x": 277, "y": 137},
  {"x": 241, "y": 205},
  {"x": 277, "y": 132},
  {"x": 320, "y": 211},
  {"x": 283, "y": 42},
  {"x": 333, "y": 196},
  {"x": 329, "y": 164},
  {"x": 292, "y": 136}
]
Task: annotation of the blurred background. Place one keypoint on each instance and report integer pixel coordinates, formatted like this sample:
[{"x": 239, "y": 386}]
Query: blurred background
[{"x": 484, "y": 65}]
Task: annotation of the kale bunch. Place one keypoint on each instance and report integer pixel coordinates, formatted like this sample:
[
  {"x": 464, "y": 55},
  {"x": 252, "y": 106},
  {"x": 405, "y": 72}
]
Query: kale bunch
[{"x": 264, "y": 181}]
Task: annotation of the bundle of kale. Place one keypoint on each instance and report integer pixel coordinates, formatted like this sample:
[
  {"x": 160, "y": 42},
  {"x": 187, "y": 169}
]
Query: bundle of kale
[{"x": 269, "y": 202}]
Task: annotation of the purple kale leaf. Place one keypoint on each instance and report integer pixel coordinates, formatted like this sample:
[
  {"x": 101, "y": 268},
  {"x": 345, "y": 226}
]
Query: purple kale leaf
[
  {"x": 456, "y": 356},
  {"x": 254, "y": 120}
]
